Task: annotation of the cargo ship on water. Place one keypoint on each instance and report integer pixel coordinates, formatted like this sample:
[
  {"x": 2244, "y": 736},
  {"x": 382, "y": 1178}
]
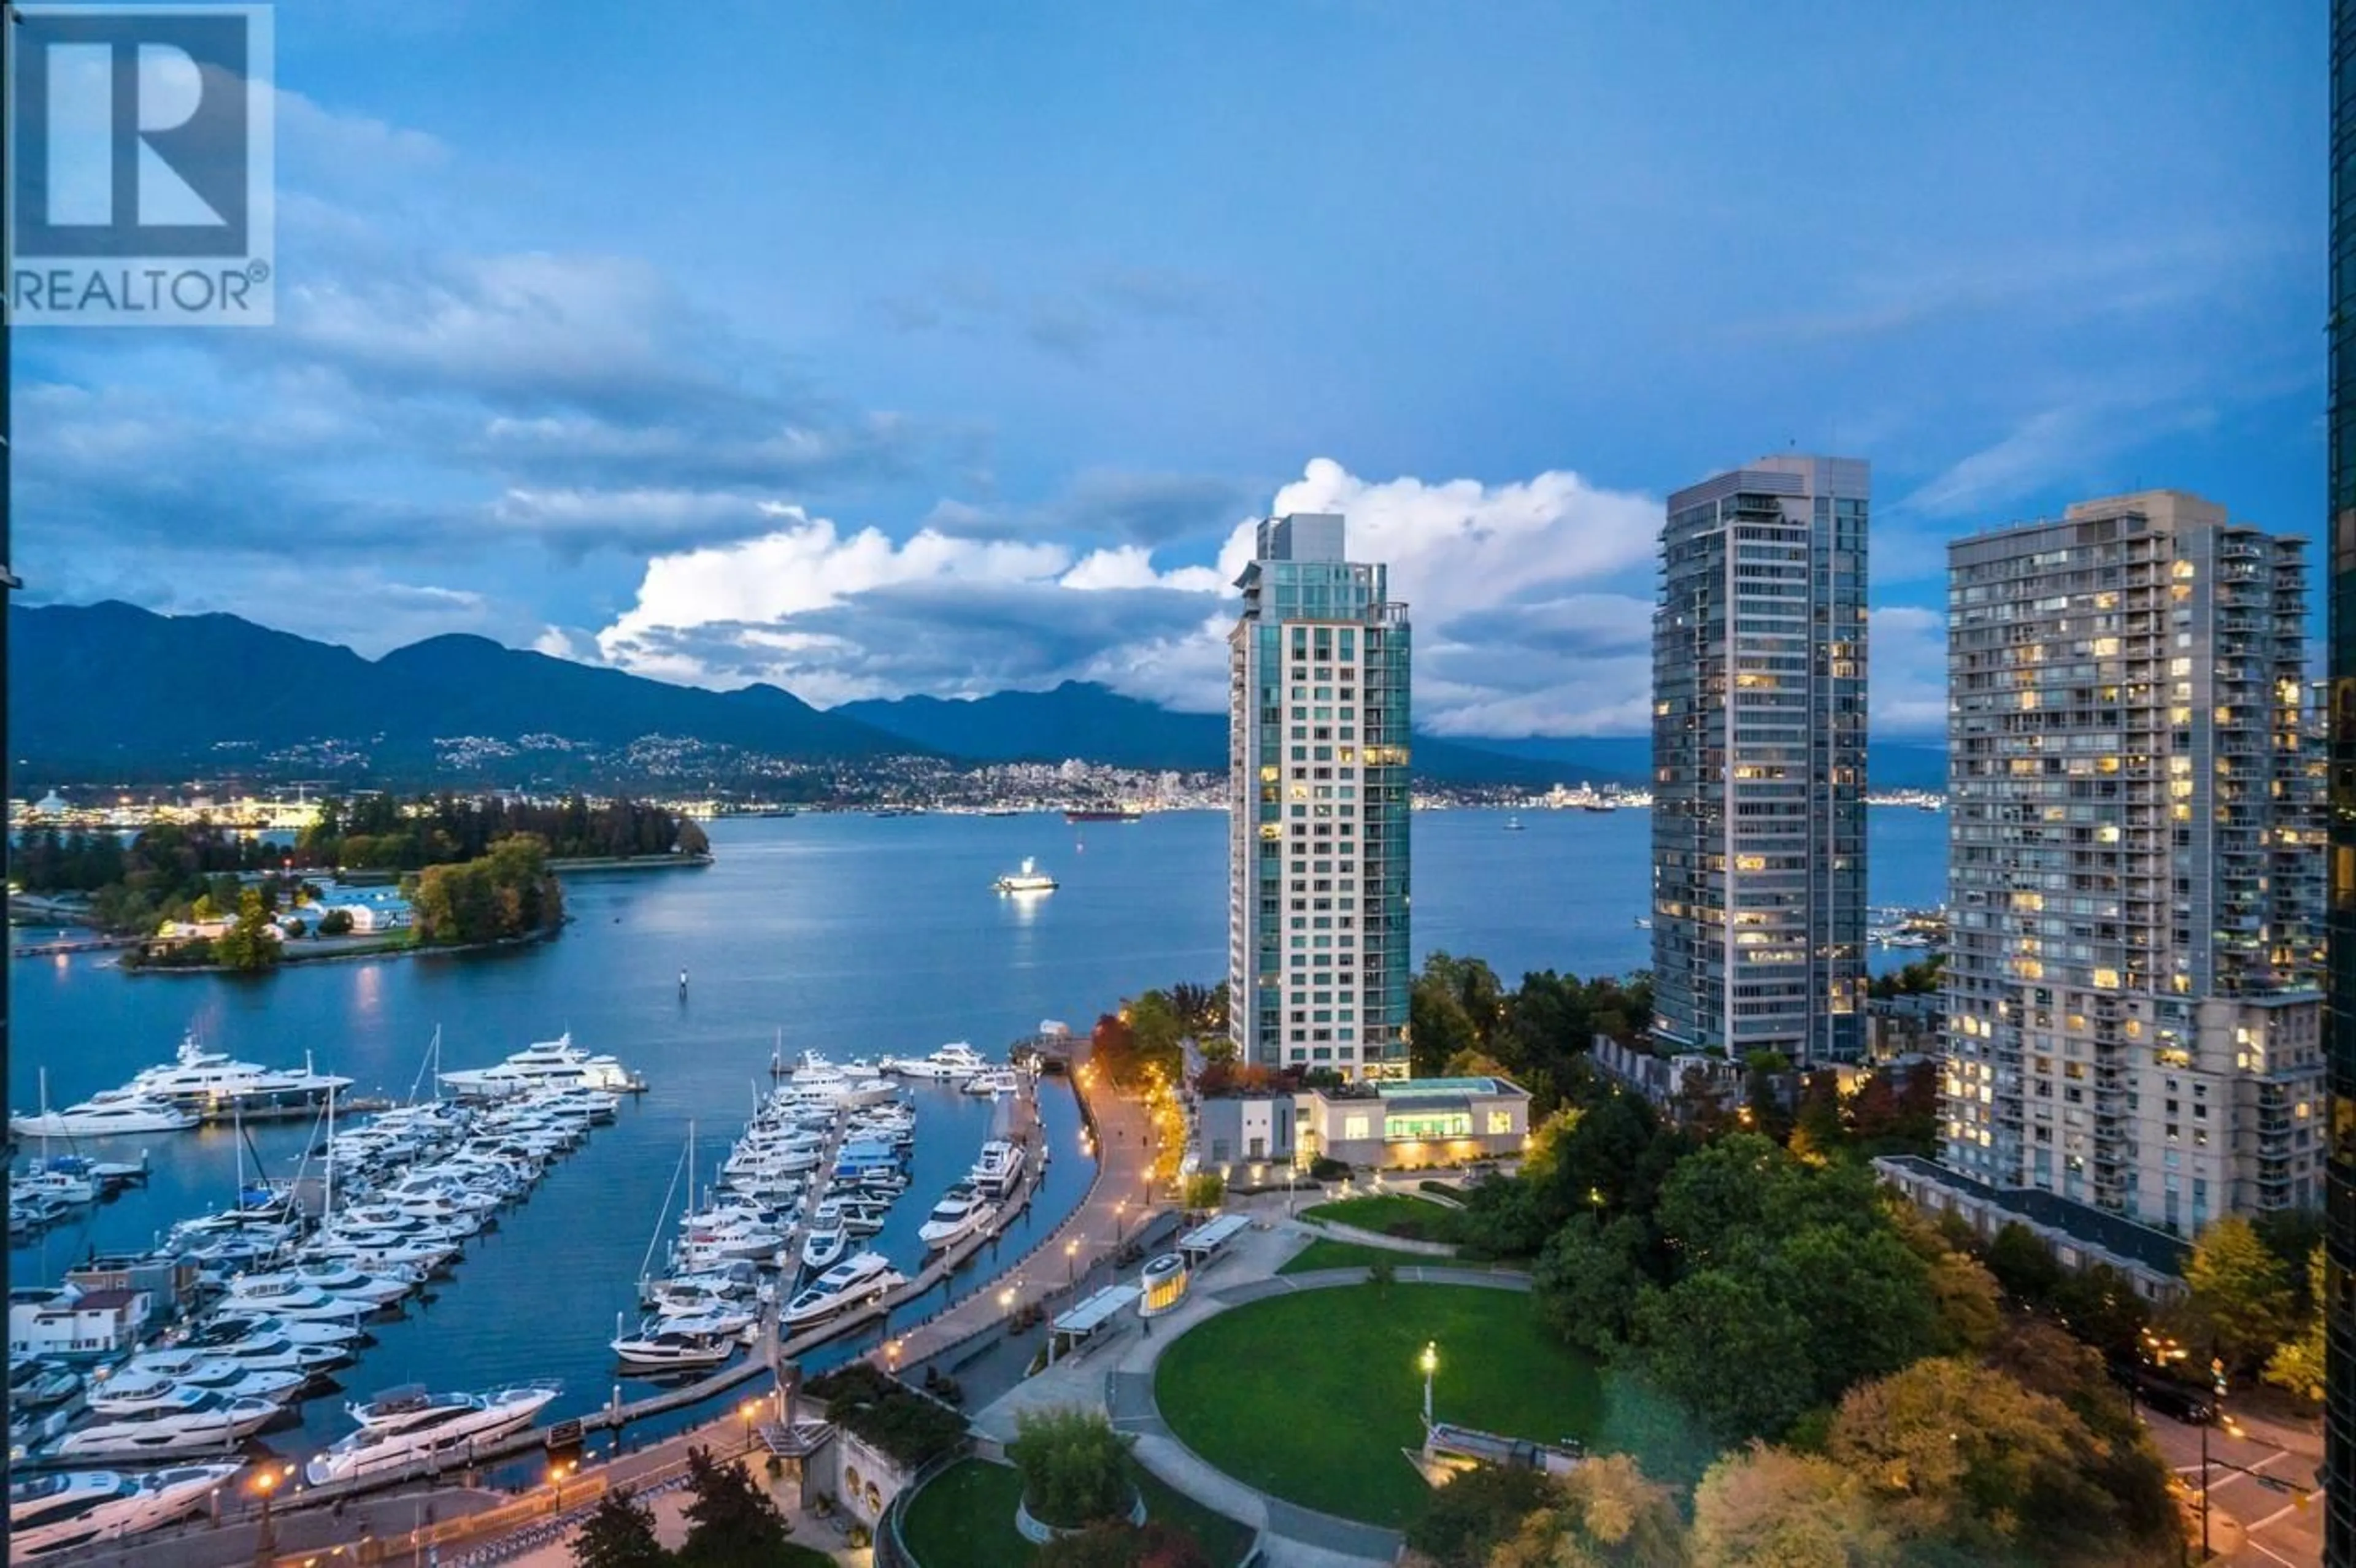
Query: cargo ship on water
[{"x": 1103, "y": 813}]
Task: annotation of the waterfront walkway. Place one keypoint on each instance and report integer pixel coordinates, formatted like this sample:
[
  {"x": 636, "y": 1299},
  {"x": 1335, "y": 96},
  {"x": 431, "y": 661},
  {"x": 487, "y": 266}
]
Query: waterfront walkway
[{"x": 1118, "y": 1205}]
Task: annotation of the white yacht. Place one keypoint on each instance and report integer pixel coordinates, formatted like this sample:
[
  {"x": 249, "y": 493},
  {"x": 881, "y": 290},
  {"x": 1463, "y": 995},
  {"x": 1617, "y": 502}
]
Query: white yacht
[
  {"x": 263, "y": 1353},
  {"x": 823, "y": 1243},
  {"x": 114, "y": 1111},
  {"x": 859, "y": 1216},
  {"x": 658, "y": 1347},
  {"x": 958, "y": 1215},
  {"x": 999, "y": 1169},
  {"x": 953, "y": 1062},
  {"x": 857, "y": 1278},
  {"x": 188, "y": 1421},
  {"x": 284, "y": 1297},
  {"x": 1029, "y": 879},
  {"x": 336, "y": 1279},
  {"x": 546, "y": 1065},
  {"x": 993, "y": 1082},
  {"x": 81, "y": 1508},
  {"x": 210, "y": 1084},
  {"x": 132, "y": 1390},
  {"x": 407, "y": 1425}
]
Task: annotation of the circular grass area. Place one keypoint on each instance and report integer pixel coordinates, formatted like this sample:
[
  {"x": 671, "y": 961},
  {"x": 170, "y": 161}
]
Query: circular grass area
[{"x": 1312, "y": 1397}]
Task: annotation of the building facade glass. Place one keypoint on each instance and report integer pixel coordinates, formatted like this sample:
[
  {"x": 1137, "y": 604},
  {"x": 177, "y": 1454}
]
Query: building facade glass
[
  {"x": 1318, "y": 756},
  {"x": 1759, "y": 728},
  {"x": 2339, "y": 1405}
]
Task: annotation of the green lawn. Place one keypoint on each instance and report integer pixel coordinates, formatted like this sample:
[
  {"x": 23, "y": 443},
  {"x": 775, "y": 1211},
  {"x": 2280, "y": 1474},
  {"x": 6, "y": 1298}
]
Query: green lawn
[
  {"x": 1391, "y": 1215},
  {"x": 965, "y": 1519},
  {"x": 1324, "y": 1253},
  {"x": 1313, "y": 1396}
]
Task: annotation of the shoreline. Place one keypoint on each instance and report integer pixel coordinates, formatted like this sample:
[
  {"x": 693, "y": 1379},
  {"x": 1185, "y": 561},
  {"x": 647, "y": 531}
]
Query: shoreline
[
  {"x": 389, "y": 950},
  {"x": 664, "y": 862}
]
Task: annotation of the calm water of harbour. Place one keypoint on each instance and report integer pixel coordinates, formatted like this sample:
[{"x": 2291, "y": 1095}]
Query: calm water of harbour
[{"x": 852, "y": 934}]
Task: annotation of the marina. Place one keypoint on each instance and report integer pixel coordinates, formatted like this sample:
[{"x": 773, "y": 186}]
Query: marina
[{"x": 812, "y": 924}]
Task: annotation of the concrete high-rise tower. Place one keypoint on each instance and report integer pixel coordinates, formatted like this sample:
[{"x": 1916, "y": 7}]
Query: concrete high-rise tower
[
  {"x": 1759, "y": 725},
  {"x": 2135, "y": 865},
  {"x": 1317, "y": 891}
]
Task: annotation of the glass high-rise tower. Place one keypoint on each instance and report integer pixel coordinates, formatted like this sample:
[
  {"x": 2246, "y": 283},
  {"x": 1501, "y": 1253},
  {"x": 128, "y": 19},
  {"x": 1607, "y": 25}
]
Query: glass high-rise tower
[
  {"x": 1759, "y": 722},
  {"x": 1317, "y": 891},
  {"x": 2339, "y": 1402}
]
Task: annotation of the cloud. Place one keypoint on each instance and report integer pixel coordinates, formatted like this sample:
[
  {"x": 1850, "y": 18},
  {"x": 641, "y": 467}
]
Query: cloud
[
  {"x": 1073, "y": 319},
  {"x": 1146, "y": 507},
  {"x": 1906, "y": 675},
  {"x": 2122, "y": 275},
  {"x": 2069, "y": 443},
  {"x": 1518, "y": 628}
]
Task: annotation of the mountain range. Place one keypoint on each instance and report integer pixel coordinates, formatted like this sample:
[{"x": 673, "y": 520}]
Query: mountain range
[{"x": 112, "y": 693}]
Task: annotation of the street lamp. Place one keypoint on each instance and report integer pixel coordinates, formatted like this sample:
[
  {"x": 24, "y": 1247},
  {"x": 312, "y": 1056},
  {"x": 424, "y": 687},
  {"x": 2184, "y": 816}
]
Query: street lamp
[
  {"x": 1071, "y": 1261},
  {"x": 1006, "y": 1301},
  {"x": 1429, "y": 1363},
  {"x": 557, "y": 1470},
  {"x": 1119, "y": 1211},
  {"x": 2217, "y": 1374},
  {"x": 266, "y": 1536},
  {"x": 750, "y": 1411}
]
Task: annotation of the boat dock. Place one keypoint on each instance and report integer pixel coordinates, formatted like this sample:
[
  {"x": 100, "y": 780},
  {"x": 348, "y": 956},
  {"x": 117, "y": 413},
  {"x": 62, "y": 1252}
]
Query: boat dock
[
  {"x": 1118, "y": 1205},
  {"x": 92, "y": 942}
]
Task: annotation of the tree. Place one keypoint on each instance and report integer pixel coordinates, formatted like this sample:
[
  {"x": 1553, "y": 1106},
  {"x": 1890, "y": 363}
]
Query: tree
[
  {"x": 1726, "y": 1349},
  {"x": 1470, "y": 1517},
  {"x": 1964, "y": 1296},
  {"x": 692, "y": 839},
  {"x": 248, "y": 946},
  {"x": 731, "y": 1522},
  {"x": 336, "y": 922},
  {"x": 2237, "y": 1300},
  {"x": 1768, "y": 1508},
  {"x": 1964, "y": 1455},
  {"x": 2023, "y": 1265},
  {"x": 1608, "y": 1515},
  {"x": 2297, "y": 1363},
  {"x": 1818, "y": 1130},
  {"x": 1205, "y": 1189},
  {"x": 620, "y": 1533},
  {"x": 1116, "y": 1543},
  {"x": 1588, "y": 1278},
  {"x": 1075, "y": 1466}
]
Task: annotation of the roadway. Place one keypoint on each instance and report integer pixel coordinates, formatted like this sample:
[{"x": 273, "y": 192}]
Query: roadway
[{"x": 2260, "y": 1516}]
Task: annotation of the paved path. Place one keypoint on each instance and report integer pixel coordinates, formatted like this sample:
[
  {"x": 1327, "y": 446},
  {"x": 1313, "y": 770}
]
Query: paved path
[
  {"x": 1052, "y": 1273},
  {"x": 1117, "y": 1375}
]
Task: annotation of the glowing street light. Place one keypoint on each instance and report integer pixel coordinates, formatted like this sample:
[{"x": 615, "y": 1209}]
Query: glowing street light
[
  {"x": 1006, "y": 1299},
  {"x": 1429, "y": 1363},
  {"x": 265, "y": 1535},
  {"x": 750, "y": 1411},
  {"x": 1071, "y": 1261}
]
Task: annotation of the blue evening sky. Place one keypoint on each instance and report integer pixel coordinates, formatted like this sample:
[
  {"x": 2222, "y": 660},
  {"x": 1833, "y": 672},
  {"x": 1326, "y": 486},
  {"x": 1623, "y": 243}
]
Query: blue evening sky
[{"x": 871, "y": 347}]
